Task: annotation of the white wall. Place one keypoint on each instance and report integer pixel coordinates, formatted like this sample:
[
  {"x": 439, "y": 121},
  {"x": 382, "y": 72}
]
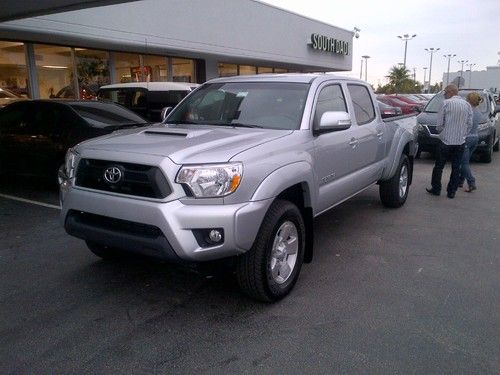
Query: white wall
[
  {"x": 243, "y": 31},
  {"x": 483, "y": 79}
]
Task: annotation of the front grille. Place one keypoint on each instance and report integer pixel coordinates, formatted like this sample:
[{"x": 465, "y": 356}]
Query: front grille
[{"x": 136, "y": 179}]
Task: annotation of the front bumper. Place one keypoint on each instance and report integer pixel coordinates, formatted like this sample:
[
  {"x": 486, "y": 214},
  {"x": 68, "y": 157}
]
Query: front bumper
[
  {"x": 428, "y": 141},
  {"x": 167, "y": 226}
]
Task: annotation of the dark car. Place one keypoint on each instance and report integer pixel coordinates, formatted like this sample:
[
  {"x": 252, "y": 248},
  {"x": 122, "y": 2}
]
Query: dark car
[
  {"x": 489, "y": 127},
  {"x": 396, "y": 102},
  {"x": 35, "y": 134},
  {"x": 387, "y": 110}
]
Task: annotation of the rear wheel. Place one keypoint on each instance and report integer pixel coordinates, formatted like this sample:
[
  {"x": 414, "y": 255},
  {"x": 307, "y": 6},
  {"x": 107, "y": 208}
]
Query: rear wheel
[
  {"x": 103, "y": 251},
  {"x": 269, "y": 271},
  {"x": 393, "y": 192},
  {"x": 496, "y": 147}
]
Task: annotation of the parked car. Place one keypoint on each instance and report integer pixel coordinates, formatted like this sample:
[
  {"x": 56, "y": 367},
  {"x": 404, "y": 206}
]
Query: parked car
[
  {"x": 238, "y": 171},
  {"x": 68, "y": 92},
  {"x": 419, "y": 105},
  {"x": 146, "y": 98},
  {"x": 35, "y": 134},
  {"x": 387, "y": 110},
  {"x": 395, "y": 102},
  {"x": 7, "y": 96},
  {"x": 489, "y": 128}
]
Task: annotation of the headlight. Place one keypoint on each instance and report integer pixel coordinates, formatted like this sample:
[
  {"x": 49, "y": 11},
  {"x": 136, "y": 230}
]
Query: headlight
[
  {"x": 69, "y": 163},
  {"x": 211, "y": 180}
]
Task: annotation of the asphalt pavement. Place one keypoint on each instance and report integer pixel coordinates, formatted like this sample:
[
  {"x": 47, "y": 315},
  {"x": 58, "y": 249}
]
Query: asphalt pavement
[{"x": 414, "y": 290}]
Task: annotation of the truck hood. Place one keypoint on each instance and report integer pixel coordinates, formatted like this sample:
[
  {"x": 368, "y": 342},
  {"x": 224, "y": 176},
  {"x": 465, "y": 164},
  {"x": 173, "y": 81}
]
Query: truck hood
[{"x": 186, "y": 144}]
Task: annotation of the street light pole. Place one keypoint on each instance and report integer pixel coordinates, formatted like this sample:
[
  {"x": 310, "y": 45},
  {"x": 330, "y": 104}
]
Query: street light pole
[
  {"x": 470, "y": 65},
  {"x": 361, "y": 70},
  {"x": 406, "y": 38},
  {"x": 449, "y": 56},
  {"x": 431, "y": 50},
  {"x": 425, "y": 74},
  {"x": 366, "y": 57},
  {"x": 461, "y": 70}
]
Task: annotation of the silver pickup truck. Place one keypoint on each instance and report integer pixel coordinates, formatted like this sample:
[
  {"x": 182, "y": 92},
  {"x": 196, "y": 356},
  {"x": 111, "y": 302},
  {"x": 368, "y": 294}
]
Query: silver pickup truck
[{"x": 238, "y": 170}]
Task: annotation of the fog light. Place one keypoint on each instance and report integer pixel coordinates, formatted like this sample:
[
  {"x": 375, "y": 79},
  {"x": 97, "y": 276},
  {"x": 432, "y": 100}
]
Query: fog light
[
  {"x": 215, "y": 236},
  {"x": 209, "y": 236}
]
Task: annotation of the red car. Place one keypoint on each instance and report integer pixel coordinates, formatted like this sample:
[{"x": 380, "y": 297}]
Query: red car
[{"x": 396, "y": 101}]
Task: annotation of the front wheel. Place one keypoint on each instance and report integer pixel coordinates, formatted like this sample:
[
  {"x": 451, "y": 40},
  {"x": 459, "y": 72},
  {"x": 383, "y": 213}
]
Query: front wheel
[
  {"x": 393, "y": 192},
  {"x": 269, "y": 271},
  {"x": 487, "y": 155}
]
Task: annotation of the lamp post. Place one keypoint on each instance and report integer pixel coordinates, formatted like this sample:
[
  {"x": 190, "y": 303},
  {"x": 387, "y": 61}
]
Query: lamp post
[
  {"x": 361, "y": 70},
  {"x": 470, "y": 65},
  {"x": 406, "y": 38},
  {"x": 449, "y": 56},
  {"x": 431, "y": 50},
  {"x": 461, "y": 70},
  {"x": 425, "y": 74},
  {"x": 366, "y": 57}
]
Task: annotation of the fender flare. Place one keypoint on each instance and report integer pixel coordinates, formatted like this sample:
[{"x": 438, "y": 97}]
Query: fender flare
[
  {"x": 397, "y": 149},
  {"x": 284, "y": 177}
]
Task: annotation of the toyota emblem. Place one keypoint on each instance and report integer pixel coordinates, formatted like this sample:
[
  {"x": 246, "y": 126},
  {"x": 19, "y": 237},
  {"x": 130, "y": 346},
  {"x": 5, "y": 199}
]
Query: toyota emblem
[{"x": 113, "y": 175}]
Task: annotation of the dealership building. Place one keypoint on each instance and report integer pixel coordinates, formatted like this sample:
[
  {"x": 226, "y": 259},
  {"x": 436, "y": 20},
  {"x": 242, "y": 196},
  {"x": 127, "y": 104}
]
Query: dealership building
[{"x": 163, "y": 40}]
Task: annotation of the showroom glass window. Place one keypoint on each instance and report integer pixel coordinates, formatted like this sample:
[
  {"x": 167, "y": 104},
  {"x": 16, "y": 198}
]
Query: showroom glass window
[
  {"x": 55, "y": 71},
  {"x": 92, "y": 67},
  {"x": 155, "y": 68},
  {"x": 228, "y": 70},
  {"x": 247, "y": 70},
  {"x": 127, "y": 67},
  {"x": 183, "y": 70},
  {"x": 264, "y": 70},
  {"x": 13, "y": 71}
]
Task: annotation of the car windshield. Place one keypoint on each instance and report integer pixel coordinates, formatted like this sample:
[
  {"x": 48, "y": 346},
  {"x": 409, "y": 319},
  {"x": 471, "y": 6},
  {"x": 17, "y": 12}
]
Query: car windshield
[
  {"x": 270, "y": 105},
  {"x": 437, "y": 101},
  {"x": 102, "y": 115}
]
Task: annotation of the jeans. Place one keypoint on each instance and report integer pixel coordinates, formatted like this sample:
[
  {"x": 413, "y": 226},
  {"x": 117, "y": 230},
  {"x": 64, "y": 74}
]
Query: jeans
[
  {"x": 465, "y": 172},
  {"x": 444, "y": 152}
]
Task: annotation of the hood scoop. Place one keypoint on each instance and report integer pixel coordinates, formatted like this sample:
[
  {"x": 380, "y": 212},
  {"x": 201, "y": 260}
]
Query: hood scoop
[{"x": 152, "y": 132}]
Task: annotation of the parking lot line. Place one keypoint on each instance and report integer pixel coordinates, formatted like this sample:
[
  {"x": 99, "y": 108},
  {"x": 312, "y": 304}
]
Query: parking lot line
[{"x": 14, "y": 198}]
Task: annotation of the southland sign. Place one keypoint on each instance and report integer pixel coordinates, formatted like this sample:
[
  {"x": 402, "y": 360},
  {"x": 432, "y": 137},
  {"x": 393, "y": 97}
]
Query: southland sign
[{"x": 327, "y": 44}]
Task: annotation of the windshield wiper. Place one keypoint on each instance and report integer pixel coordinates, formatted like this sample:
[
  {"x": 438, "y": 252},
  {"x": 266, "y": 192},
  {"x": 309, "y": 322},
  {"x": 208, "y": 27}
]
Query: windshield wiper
[{"x": 241, "y": 125}]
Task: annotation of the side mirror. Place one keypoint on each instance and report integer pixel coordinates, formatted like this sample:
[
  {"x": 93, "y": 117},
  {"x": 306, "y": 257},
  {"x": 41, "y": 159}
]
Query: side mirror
[
  {"x": 164, "y": 112},
  {"x": 333, "y": 121},
  {"x": 418, "y": 109}
]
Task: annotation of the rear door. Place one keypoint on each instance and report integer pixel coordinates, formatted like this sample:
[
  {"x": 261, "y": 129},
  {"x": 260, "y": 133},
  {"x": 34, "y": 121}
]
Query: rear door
[{"x": 368, "y": 139}]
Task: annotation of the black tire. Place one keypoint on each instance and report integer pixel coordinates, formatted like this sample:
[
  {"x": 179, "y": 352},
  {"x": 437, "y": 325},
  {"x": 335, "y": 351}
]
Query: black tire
[
  {"x": 103, "y": 251},
  {"x": 393, "y": 192},
  {"x": 496, "y": 147},
  {"x": 418, "y": 154},
  {"x": 487, "y": 155},
  {"x": 254, "y": 268}
]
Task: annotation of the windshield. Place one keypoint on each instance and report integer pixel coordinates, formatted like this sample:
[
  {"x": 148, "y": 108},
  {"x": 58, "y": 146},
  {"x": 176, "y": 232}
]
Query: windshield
[
  {"x": 270, "y": 105},
  {"x": 436, "y": 102},
  {"x": 102, "y": 115}
]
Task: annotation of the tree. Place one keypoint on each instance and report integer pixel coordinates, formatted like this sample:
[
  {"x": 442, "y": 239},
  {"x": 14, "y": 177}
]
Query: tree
[{"x": 400, "y": 81}]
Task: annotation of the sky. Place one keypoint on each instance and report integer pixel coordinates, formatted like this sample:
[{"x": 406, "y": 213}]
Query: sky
[{"x": 468, "y": 29}]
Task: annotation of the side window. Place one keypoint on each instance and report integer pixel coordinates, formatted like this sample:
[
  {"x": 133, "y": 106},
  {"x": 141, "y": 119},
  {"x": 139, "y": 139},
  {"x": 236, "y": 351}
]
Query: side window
[
  {"x": 362, "y": 103},
  {"x": 331, "y": 98},
  {"x": 14, "y": 118}
]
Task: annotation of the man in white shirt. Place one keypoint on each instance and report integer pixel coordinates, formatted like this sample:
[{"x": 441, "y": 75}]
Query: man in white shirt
[{"x": 454, "y": 121}]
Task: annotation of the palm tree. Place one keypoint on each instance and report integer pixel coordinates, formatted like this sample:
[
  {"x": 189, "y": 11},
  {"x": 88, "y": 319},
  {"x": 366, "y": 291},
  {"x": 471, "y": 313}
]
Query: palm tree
[{"x": 399, "y": 78}]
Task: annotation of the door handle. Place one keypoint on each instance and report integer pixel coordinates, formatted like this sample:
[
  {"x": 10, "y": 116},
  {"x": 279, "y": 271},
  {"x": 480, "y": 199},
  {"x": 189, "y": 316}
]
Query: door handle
[{"x": 353, "y": 142}]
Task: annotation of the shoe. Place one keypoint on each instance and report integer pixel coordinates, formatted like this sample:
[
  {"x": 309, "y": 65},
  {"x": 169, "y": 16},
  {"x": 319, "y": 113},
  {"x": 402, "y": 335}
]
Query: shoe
[
  {"x": 470, "y": 189},
  {"x": 432, "y": 191},
  {"x": 450, "y": 195},
  {"x": 460, "y": 184}
]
